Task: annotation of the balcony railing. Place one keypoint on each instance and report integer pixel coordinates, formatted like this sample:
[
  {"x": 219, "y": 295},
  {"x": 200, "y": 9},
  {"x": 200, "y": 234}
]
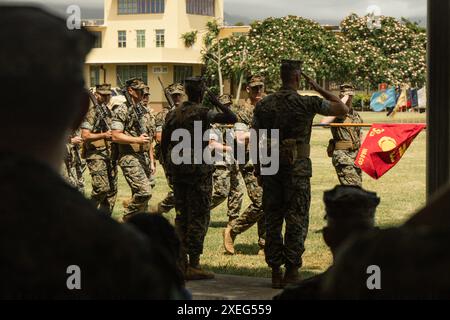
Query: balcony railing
[{"x": 92, "y": 22}]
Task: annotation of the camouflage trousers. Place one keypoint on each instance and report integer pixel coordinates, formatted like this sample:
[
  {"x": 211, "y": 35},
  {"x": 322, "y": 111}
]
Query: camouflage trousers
[
  {"x": 344, "y": 163},
  {"x": 254, "y": 212},
  {"x": 73, "y": 174},
  {"x": 168, "y": 203},
  {"x": 192, "y": 203},
  {"x": 137, "y": 173},
  {"x": 227, "y": 185},
  {"x": 286, "y": 198},
  {"x": 104, "y": 183}
]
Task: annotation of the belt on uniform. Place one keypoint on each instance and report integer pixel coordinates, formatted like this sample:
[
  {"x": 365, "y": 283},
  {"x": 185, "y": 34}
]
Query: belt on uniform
[
  {"x": 134, "y": 147},
  {"x": 295, "y": 149},
  {"x": 344, "y": 145}
]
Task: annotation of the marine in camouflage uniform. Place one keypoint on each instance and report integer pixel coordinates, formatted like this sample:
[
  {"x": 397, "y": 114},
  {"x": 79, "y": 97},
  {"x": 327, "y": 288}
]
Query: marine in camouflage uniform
[
  {"x": 73, "y": 167},
  {"x": 254, "y": 212},
  {"x": 226, "y": 179},
  {"x": 134, "y": 136},
  {"x": 192, "y": 183},
  {"x": 96, "y": 132},
  {"x": 287, "y": 194},
  {"x": 346, "y": 142},
  {"x": 177, "y": 93}
]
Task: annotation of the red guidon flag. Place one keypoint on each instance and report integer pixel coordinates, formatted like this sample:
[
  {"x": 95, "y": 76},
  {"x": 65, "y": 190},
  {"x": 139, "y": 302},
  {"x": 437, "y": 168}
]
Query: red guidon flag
[{"x": 384, "y": 146}]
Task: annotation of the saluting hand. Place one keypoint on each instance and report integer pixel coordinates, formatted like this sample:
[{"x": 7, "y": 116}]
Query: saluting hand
[{"x": 313, "y": 84}]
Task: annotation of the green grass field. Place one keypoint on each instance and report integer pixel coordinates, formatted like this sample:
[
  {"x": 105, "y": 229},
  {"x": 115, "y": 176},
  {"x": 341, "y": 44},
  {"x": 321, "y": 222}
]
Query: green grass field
[{"x": 402, "y": 192}]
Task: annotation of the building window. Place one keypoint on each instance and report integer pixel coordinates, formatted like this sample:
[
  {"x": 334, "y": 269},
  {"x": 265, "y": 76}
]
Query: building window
[
  {"x": 140, "y": 6},
  {"x": 180, "y": 73},
  {"x": 200, "y": 7},
  {"x": 94, "y": 74},
  {"x": 132, "y": 71},
  {"x": 98, "y": 39},
  {"x": 122, "y": 35},
  {"x": 140, "y": 34},
  {"x": 160, "y": 69},
  {"x": 160, "y": 39}
]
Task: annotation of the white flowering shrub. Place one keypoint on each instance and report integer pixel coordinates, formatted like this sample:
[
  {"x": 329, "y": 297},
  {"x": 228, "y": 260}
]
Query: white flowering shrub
[{"x": 394, "y": 53}]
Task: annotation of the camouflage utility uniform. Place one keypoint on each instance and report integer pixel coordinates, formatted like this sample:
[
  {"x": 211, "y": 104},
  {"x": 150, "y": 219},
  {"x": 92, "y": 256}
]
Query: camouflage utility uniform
[
  {"x": 287, "y": 194},
  {"x": 134, "y": 159},
  {"x": 168, "y": 202},
  {"x": 102, "y": 167},
  {"x": 347, "y": 142},
  {"x": 254, "y": 212},
  {"x": 226, "y": 180},
  {"x": 73, "y": 167},
  {"x": 192, "y": 183}
]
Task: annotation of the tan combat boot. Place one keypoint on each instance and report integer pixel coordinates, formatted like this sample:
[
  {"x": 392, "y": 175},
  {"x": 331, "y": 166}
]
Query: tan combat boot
[
  {"x": 228, "y": 240},
  {"x": 291, "y": 276},
  {"x": 277, "y": 278},
  {"x": 194, "y": 272},
  {"x": 158, "y": 209},
  {"x": 126, "y": 202}
]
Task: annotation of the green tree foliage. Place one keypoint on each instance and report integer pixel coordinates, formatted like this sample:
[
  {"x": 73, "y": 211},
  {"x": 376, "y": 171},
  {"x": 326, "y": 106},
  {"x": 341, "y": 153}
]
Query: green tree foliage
[{"x": 394, "y": 53}]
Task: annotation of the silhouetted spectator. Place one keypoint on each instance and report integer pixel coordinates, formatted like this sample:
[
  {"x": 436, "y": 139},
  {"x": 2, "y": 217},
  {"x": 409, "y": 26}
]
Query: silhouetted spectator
[
  {"x": 162, "y": 234},
  {"x": 53, "y": 242},
  {"x": 350, "y": 211},
  {"x": 413, "y": 260}
]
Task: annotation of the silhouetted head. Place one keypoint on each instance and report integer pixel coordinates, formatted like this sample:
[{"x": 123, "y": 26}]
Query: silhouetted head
[
  {"x": 194, "y": 89},
  {"x": 41, "y": 54},
  {"x": 290, "y": 72},
  {"x": 349, "y": 210}
]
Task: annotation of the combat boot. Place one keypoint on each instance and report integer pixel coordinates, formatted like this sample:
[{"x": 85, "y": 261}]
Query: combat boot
[
  {"x": 194, "y": 272},
  {"x": 291, "y": 276},
  {"x": 277, "y": 278},
  {"x": 126, "y": 202},
  {"x": 228, "y": 240},
  {"x": 158, "y": 209}
]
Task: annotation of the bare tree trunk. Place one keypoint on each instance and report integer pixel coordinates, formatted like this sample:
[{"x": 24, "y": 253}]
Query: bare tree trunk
[
  {"x": 219, "y": 60},
  {"x": 239, "y": 88},
  {"x": 241, "y": 78}
]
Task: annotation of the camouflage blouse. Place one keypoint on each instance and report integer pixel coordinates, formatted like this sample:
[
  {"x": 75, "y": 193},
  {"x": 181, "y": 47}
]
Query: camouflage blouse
[
  {"x": 93, "y": 124},
  {"x": 124, "y": 119},
  {"x": 292, "y": 114},
  {"x": 351, "y": 133},
  {"x": 244, "y": 113}
]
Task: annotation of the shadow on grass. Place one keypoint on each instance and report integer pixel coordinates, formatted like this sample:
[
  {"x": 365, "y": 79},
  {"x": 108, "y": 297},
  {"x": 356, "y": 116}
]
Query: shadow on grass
[
  {"x": 247, "y": 249},
  {"x": 218, "y": 224},
  {"x": 260, "y": 272}
]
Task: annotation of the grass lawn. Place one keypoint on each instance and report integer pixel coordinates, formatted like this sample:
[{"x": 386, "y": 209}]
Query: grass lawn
[{"x": 402, "y": 191}]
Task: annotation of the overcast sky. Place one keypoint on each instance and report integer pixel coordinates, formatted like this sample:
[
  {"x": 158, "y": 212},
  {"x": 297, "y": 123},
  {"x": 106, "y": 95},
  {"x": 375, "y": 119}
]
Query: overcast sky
[{"x": 321, "y": 10}]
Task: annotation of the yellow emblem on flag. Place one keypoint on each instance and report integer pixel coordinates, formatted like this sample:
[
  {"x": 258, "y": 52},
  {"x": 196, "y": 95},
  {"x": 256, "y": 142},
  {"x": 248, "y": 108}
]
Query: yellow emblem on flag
[{"x": 387, "y": 143}]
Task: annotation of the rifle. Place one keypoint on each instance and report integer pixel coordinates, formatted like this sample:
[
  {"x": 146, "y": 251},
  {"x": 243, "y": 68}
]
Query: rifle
[
  {"x": 102, "y": 111},
  {"x": 167, "y": 95},
  {"x": 102, "y": 114},
  {"x": 138, "y": 109},
  {"x": 212, "y": 97}
]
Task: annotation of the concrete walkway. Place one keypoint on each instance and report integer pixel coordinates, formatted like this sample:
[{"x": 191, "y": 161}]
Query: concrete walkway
[{"x": 228, "y": 287}]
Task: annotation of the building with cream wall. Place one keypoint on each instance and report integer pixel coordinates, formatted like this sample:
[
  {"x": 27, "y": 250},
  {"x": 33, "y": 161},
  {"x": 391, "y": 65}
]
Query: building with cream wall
[{"x": 149, "y": 56}]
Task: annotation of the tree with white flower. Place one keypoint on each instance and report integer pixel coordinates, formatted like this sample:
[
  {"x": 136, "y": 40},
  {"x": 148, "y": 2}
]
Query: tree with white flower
[{"x": 394, "y": 53}]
